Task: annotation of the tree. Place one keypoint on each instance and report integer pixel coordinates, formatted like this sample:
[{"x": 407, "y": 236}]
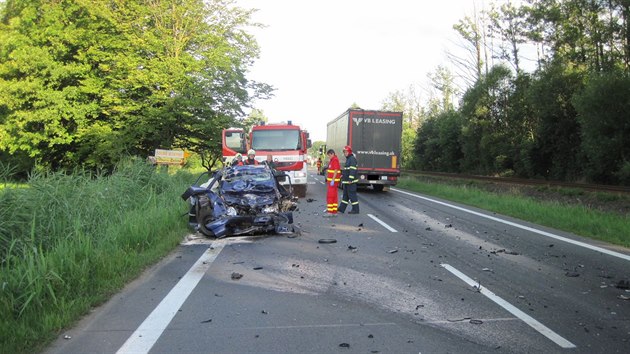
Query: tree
[
  {"x": 603, "y": 108},
  {"x": 410, "y": 104},
  {"x": 437, "y": 145},
  {"x": 86, "y": 82},
  {"x": 556, "y": 150},
  {"x": 472, "y": 31},
  {"x": 508, "y": 24}
]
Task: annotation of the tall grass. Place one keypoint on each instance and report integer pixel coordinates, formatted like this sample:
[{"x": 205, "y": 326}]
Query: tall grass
[
  {"x": 591, "y": 223},
  {"x": 69, "y": 241}
]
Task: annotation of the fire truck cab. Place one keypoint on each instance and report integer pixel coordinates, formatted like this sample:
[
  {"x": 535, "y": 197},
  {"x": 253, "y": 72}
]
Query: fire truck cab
[{"x": 286, "y": 143}]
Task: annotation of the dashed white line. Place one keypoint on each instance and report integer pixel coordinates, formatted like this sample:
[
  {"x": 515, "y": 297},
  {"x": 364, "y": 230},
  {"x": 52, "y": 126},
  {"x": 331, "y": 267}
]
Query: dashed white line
[
  {"x": 523, "y": 227},
  {"x": 143, "y": 339},
  {"x": 544, "y": 330},
  {"x": 382, "y": 223}
]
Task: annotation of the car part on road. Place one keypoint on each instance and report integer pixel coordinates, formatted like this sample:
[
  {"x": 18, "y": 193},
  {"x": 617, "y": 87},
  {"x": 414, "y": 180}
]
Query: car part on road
[{"x": 327, "y": 240}]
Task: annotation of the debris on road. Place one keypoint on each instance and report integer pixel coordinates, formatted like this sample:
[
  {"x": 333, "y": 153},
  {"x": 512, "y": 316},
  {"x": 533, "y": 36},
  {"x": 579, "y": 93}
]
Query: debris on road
[
  {"x": 264, "y": 312},
  {"x": 392, "y": 251},
  {"x": 475, "y": 321},
  {"x": 459, "y": 319},
  {"x": 360, "y": 225},
  {"x": 624, "y": 297},
  {"x": 67, "y": 337},
  {"x": 258, "y": 268},
  {"x": 236, "y": 276},
  {"x": 310, "y": 200},
  {"x": 504, "y": 251},
  {"x": 207, "y": 321},
  {"x": 344, "y": 345},
  {"x": 327, "y": 240},
  {"x": 352, "y": 248},
  {"x": 623, "y": 284},
  {"x": 487, "y": 270},
  {"x": 571, "y": 274}
]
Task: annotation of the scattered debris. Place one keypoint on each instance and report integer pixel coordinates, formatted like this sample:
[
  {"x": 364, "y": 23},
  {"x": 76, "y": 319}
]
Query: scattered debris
[
  {"x": 448, "y": 225},
  {"x": 207, "y": 321},
  {"x": 327, "y": 240},
  {"x": 344, "y": 345},
  {"x": 67, "y": 337},
  {"x": 428, "y": 229},
  {"x": 370, "y": 336},
  {"x": 295, "y": 265},
  {"x": 258, "y": 268},
  {"x": 504, "y": 251},
  {"x": 475, "y": 321},
  {"x": 352, "y": 248},
  {"x": 572, "y": 274},
  {"x": 624, "y": 297},
  {"x": 310, "y": 200},
  {"x": 459, "y": 320},
  {"x": 236, "y": 276},
  {"x": 360, "y": 225},
  {"x": 487, "y": 270},
  {"x": 623, "y": 284},
  {"x": 392, "y": 251},
  {"x": 264, "y": 312}
]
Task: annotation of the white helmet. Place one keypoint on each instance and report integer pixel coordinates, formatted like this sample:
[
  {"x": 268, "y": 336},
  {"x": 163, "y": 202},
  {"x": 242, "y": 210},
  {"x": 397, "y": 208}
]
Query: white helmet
[{"x": 251, "y": 152}]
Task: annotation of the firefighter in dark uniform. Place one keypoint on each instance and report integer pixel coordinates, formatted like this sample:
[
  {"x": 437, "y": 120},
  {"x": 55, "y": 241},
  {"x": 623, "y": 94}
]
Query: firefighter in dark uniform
[{"x": 349, "y": 181}]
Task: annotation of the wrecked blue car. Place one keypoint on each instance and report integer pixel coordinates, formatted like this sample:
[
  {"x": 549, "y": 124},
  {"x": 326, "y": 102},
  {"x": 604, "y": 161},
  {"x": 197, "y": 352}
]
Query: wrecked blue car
[{"x": 241, "y": 200}]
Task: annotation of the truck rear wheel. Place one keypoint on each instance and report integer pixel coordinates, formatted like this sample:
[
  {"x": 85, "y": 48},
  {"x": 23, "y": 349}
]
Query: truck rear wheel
[
  {"x": 378, "y": 187},
  {"x": 299, "y": 190}
]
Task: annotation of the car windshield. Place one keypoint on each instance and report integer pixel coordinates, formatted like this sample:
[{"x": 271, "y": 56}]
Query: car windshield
[
  {"x": 247, "y": 179},
  {"x": 246, "y": 174}
]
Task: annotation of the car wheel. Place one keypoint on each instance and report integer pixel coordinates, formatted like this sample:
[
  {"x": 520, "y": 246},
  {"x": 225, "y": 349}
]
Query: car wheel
[
  {"x": 204, "y": 216},
  {"x": 378, "y": 187}
]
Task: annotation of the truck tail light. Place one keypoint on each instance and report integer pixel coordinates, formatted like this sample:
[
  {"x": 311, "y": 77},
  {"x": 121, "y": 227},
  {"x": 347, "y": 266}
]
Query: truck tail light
[{"x": 392, "y": 178}]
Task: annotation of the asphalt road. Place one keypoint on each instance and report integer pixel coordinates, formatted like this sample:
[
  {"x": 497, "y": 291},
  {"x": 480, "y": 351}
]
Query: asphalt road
[{"x": 410, "y": 274}]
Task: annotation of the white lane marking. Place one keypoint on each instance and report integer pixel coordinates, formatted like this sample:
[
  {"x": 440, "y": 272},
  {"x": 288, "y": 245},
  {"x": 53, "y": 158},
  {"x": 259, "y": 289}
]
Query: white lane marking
[
  {"x": 382, "y": 223},
  {"x": 541, "y": 328},
  {"x": 143, "y": 339},
  {"x": 523, "y": 227}
]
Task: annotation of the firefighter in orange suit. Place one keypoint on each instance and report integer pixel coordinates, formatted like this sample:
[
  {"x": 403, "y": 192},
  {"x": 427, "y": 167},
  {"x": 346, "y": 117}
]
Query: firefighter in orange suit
[{"x": 333, "y": 178}]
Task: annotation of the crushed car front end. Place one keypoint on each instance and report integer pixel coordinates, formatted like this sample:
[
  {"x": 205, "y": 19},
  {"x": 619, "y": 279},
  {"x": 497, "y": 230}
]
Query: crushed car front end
[{"x": 241, "y": 200}]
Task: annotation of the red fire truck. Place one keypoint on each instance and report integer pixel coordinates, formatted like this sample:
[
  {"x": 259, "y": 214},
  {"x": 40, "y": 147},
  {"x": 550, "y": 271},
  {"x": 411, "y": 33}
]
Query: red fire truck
[{"x": 285, "y": 142}]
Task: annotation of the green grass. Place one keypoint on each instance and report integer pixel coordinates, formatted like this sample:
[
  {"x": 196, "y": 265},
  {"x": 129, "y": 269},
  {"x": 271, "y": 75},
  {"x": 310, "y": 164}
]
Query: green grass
[
  {"x": 70, "y": 241},
  {"x": 594, "y": 224}
]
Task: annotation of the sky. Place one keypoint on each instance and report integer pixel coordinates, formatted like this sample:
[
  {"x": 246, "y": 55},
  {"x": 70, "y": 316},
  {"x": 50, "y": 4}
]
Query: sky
[{"x": 322, "y": 56}]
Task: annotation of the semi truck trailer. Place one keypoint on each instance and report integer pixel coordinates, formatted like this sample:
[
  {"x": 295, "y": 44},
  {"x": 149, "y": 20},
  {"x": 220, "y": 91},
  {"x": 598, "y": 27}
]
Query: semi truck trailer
[{"x": 375, "y": 139}]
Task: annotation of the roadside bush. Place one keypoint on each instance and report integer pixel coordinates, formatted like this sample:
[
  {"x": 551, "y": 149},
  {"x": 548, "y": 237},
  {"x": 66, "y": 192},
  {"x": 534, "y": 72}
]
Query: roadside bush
[{"x": 69, "y": 241}]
